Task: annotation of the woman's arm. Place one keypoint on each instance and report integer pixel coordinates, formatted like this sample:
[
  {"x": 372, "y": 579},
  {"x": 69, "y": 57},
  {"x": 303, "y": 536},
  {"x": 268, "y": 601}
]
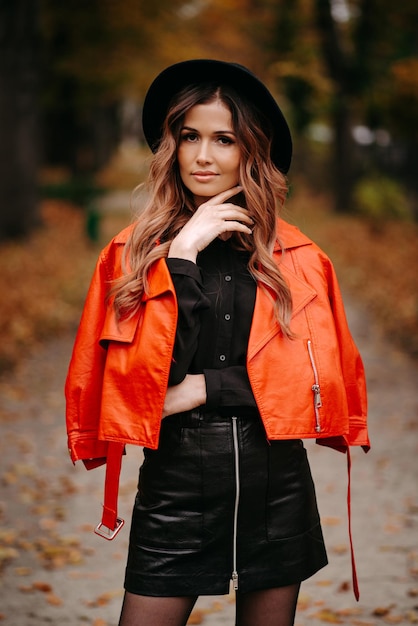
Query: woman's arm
[
  {"x": 190, "y": 302},
  {"x": 189, "y": 394}
]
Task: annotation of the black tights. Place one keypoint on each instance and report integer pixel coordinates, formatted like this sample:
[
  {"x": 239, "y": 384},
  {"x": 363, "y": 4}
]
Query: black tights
[{"x": 268, "y": 607}]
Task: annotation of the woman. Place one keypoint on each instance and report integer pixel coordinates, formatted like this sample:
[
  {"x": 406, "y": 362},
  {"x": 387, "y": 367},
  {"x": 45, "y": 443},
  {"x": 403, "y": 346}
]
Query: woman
[{"x": 214, "y": 335}]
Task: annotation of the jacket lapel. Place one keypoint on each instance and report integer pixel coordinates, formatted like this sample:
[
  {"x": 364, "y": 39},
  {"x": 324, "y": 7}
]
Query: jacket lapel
[{"x": 264, "y": 325}]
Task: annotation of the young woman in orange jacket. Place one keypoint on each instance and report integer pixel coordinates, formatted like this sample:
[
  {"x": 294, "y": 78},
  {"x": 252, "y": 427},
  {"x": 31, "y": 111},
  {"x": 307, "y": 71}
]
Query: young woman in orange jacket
[{"x": 214, "y": 335}]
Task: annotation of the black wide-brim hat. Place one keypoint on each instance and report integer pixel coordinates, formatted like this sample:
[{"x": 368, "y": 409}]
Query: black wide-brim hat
[{"x": 198, "y": 71}]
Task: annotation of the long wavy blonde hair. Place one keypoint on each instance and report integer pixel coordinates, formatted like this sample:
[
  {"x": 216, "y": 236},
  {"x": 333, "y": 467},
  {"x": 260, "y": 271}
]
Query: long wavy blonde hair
[{"x": 170, "y": 205}]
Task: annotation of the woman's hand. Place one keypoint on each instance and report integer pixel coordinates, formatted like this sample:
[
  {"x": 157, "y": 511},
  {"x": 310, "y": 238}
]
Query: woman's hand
[
  {"x": 189, "y": 394},
  {"x": 212, "y": 219}
]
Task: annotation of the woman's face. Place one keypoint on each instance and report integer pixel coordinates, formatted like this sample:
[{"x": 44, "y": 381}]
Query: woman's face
[{"x": 208, "y": 153}]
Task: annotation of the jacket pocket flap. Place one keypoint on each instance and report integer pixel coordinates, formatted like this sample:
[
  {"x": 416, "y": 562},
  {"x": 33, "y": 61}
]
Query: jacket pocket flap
[{"x": 118, "y": 330}]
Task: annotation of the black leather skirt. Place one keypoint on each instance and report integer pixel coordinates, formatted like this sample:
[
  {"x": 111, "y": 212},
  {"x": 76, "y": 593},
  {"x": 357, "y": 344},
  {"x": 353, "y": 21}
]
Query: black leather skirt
[{"x": 216, "y": 502}]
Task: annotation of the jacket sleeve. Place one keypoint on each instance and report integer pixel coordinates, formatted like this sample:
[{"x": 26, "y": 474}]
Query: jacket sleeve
[
  {"x": 352, "y": 370},
  {"x": 83, "y": 387}
]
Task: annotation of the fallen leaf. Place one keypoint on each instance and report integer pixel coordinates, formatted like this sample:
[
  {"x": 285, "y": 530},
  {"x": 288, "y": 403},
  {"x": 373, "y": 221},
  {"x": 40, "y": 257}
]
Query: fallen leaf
[
  {"x": 41, "y": 586},
  {"x": 47, "y": 523},
  {"x": 394, "y": 619},
  {"x": 23, "y": 571},
  {"x": 349, "y": 611},
  {"x": 86, "y": 528},
  {"x": 53, "y": 600},
  {"x": 26, "y": 588},
  {"x": 304, "y": 601},
  {"x": 7, "y": 554},
  {"x": 381, "y": 611},
  {"x": 196, "y": 617},
  {"x": 331, "y": 521},
  {"x": 329, "y": 616},
  {"x": 104, "y": 598}
]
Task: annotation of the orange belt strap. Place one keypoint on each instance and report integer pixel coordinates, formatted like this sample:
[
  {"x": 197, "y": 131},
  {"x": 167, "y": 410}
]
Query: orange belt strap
[
  {"x": 111, "y": 523},
  {"x": 353, "y": 562}
]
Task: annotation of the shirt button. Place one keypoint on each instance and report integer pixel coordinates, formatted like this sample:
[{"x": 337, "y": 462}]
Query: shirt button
[
  {"x": 227, "y": 317},
  {"x": 222, "y": 357},
  {"x": 228, "y": 278}
]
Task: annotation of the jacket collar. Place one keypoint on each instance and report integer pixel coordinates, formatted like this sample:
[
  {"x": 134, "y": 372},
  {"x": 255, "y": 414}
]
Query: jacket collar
[{"x": 290, "y": 236}]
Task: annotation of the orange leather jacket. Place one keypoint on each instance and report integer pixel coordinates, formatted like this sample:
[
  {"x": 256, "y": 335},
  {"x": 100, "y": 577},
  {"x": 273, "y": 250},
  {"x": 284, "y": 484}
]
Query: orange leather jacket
[{"x": 312, "y": 386}]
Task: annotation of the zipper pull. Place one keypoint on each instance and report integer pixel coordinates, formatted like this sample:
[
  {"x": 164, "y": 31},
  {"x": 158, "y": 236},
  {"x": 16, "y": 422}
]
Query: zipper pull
[
  {"x": 235, "y": 580},
  {"x": 317, "y": 395}
]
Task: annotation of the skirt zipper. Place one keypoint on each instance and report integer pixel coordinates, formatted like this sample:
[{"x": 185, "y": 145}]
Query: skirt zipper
[
  {"x": 234, "y": 576},
  {"x": 316, "y": 388}
]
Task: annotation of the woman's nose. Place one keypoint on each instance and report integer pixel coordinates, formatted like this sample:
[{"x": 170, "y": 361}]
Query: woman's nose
[{"x": 204, "y": 154}]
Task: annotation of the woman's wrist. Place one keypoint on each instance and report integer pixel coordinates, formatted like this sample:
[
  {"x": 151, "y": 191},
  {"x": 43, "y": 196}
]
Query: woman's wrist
[{"x": 179, "y": 251}]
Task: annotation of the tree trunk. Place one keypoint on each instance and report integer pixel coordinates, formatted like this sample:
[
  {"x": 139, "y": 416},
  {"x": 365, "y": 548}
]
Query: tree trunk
[
  {"x": 339, "y": 68},
  {"x": 342, "y": 166},
  {"x": 19, "y": 121}
]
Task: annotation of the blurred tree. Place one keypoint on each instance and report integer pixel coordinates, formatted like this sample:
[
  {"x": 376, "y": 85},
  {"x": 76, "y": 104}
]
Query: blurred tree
[
  {"x": 343, "y": 62},
  {"x": 90, "y": 52},
  {"x": 350, "y": 62},
  {"x": 19, "y": 138},
  {"x": 101, "y": 54}
]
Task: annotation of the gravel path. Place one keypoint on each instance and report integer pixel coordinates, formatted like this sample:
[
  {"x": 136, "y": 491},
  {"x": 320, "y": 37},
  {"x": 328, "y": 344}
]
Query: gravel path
[{"x": 54, "y": 570}]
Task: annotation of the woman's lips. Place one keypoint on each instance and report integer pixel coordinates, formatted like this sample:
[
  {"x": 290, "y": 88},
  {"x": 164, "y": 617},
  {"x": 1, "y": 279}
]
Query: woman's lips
[{"x": 204, "y": 177}]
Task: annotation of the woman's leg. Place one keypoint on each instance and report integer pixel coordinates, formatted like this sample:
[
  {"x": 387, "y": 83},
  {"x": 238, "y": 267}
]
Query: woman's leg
[
  {"x": 150, "y": 611},
  {"x": 268, "y": 607}
]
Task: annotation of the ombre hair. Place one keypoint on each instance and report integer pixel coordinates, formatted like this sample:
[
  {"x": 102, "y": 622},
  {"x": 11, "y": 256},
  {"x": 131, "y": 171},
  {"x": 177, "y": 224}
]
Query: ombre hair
[{"x": 169, "y": 203}]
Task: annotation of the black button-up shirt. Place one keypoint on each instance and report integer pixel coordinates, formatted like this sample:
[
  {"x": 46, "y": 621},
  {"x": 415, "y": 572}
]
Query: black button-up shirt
[{"x": 216, "y": 299}]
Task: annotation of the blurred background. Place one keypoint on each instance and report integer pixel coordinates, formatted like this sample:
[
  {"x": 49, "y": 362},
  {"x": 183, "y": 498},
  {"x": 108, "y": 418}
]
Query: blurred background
[{"x": 72, "y": 80}]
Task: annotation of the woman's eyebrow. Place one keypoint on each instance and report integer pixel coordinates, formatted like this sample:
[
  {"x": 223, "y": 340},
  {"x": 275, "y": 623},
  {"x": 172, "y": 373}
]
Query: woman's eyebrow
[{"x": 216, "y": 132}]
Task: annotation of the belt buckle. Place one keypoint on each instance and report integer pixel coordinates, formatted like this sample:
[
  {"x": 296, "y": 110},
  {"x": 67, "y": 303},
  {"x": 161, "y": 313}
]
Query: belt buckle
[{"x": 108, "y": 533}]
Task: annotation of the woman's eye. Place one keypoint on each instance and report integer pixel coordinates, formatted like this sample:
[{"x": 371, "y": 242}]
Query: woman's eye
[
  {"x": 226, "y": 141},
  {"x": 189, "y": 137}
]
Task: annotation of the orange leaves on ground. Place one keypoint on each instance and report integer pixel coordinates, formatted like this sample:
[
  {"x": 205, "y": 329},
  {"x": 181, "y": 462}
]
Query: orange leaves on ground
[
  {"x": 388, "y": 616},
  {"x": 104, "y": 599},
  {"x": 45, "y": 588},
  {"x": 44, "y": 278},
  {"x": 8, "y": 551},
  {"x": 331, "y": 521},
  {"x": 340, "y": 548},
  {"x": 413, "y": 564},
  {"x": 53, "y": 551},
  {"x": 329, "y": 616},
  {"x": 57, "y": 551},
  {"x": 196, "y": 617},
  {"x": 354, "y": 616}
]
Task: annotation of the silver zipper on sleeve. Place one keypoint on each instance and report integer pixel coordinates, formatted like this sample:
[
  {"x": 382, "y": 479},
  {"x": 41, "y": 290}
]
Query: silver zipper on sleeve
[
  {"x": 315, "y": 388},
  {"x": 237, "y": 493}
]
